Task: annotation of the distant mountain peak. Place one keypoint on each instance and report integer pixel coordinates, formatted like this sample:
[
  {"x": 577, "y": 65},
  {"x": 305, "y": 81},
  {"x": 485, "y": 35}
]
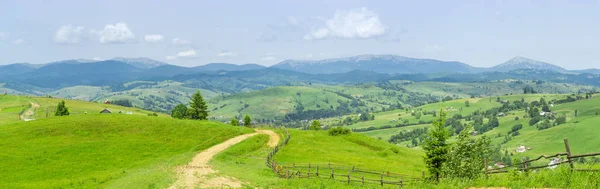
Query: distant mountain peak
[
  {"x": 141, "y": 62},
  {"x": 376, "y": 63},
  {"x": 520, "y": 62}
]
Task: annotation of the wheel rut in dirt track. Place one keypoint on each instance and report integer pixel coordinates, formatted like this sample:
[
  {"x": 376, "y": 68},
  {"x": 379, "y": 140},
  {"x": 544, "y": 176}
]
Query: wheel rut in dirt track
[{"x": 197, "y": 172}]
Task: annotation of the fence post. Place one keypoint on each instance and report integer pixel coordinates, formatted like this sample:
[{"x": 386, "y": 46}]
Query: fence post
[
  {"x": 524, "y": 164},
  {"x": 400, "y": 184},
  {"x": 308, "y": 173},
  {"x": 423, "y": 175},
  {"x": 569, "y": 153},
  {"x": 332, "y": 174},
  {"x": 485, "y": 166},
  {"x": 294, "y": 165},
  {"x": 329, "y": 165},
  {"x": 381, "y": 179},
  {"x": 353, "y": 167},
  {"x": 363, "y": 179},
  {"x": 317, "y": 171},
  {"x": 287, "y": 174},
  {"x": 349, "y": 176}
]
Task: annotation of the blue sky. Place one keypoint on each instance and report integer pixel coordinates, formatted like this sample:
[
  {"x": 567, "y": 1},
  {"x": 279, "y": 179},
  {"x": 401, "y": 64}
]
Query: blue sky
[{"x": 190, "y": 33}]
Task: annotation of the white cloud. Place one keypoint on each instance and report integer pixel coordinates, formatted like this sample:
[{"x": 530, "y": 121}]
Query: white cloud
[
  {"x": 268, "y": 58},
  {"x": 115, "y": 34},
  {"x": 68, "y": 34},
  {"x": 189, "y": 53},
  {"x": 3, "y": 36},
  {"x": 357, "y": 23},
  {"x": 183, "y": 54},
  {"x": 19, "y": 41},
  {"x": 97, "y": 58},
  {"x": 152, "y": 38},
  {"x": 226, "y": 54},
  {"x": 181, "y": 42}
]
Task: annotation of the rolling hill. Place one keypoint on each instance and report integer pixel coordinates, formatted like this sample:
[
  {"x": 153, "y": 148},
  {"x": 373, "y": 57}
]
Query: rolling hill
[
  {"x": 376, "y": 63},
  {"x": 519, "y": 62},
  {"x": 107, "y": 151}
]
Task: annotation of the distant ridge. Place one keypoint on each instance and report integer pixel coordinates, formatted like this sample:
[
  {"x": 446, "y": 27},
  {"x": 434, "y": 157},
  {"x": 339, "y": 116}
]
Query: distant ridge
[
  {"x": 519, "y": 62},
  {"x": 376, "y": 63}
]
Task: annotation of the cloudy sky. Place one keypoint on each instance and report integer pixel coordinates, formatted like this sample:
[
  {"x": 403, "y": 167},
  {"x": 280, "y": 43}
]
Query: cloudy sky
[{"x": 190, "y": 33}]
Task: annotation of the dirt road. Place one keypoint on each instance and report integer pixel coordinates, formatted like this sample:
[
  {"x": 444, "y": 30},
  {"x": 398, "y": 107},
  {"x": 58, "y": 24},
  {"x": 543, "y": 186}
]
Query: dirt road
[{"x": 197, "y": 172}]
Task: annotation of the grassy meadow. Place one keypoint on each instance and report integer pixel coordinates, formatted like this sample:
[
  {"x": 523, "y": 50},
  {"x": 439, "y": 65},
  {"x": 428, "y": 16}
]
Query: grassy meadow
[
  {"x": 245, "y": 161},
  {"x": 107, "y": 151}
]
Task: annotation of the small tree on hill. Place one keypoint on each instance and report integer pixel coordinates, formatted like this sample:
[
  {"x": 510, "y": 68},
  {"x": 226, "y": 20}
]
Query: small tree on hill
[
  {"x": 235, "y": 122},
  {"x": 315, "y": 125},
  {"x": 435, "y": 146},
  {"x": 61, "y": 109},
  {"x": 247, "y": 121},
  {"x": 465, "y": 159},
  {"x": 179, "y": 112},
  {"x": 467, "y": 103},
  {"x": 198, "y": 109}
]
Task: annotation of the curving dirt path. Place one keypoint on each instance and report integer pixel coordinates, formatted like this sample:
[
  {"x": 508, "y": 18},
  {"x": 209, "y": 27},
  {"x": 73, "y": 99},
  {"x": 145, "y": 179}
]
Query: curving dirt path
[
  {"x": 30, "y": 112},
  {"x": 198, "y": 172}
]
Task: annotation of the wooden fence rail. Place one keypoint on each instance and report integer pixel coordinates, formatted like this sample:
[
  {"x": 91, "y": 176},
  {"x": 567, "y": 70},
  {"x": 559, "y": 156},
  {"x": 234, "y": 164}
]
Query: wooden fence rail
[{"x": 523, "y": 166}]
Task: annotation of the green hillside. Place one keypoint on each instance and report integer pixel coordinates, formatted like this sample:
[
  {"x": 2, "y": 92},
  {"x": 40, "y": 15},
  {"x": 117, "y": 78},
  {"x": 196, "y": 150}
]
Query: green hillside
[
  {"x": 315, "y": 147},
  {"x": 155, "y": 96},
  {"x": 277, "y": 102},
  {"x": 15, "y": 108},
  {"x": 107, "y": 151}
]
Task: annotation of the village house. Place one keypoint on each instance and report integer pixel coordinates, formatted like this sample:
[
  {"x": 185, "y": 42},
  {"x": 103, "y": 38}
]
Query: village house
[
  {"x": 521, "y": 149},
  {"x": 499, "y": 164}
]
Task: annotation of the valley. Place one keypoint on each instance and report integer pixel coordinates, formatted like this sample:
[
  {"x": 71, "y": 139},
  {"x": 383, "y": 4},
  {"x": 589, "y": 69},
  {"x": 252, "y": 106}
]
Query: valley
[{"x": 373, "y": 122}]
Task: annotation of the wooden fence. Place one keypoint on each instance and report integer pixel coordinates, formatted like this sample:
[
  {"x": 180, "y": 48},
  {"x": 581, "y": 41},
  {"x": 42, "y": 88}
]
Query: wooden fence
[
  {"x": 523, "y": 166},
  {"x": 270, "y": 163},
  {"x": 348, "y": 174},
  {"x": 342, "y": 173}
]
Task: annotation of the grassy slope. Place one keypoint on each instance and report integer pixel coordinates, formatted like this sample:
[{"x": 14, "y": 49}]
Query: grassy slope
[
  {"x": 582, "y": 136},
  {"x": 274, "y": 102},
  {"x": 11, "y": 106},
  {"x": 245, "y": 160},
  {"x": 491, "y": 88},
  {"x": 162, "y": 90},
  {"x": 452, "y": 107},
  {"x": 108, "y": 151}
]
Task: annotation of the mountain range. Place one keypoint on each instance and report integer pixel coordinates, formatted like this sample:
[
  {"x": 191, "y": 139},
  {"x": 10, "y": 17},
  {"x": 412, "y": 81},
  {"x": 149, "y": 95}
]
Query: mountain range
[{"x": 375, "y": 67}]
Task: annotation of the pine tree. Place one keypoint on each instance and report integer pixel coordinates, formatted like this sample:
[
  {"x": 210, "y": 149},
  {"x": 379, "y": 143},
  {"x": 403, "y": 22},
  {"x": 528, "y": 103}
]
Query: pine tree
[
  {"x": 61, "y": 109},
  {"x": 247, "y": 121},
  {"x": 235, "y": 122},
  {"x": 436, "y": 147},
  {"x": 198, "y": 109}
]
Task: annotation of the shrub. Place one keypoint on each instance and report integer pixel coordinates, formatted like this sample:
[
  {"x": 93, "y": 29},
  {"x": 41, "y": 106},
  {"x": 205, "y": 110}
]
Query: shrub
[{"x": 339, "y": 131}]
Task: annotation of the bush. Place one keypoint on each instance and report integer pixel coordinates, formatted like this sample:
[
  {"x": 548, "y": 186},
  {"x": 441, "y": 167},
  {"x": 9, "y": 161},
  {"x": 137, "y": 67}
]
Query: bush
[
  {"x": 339, "y": 131},
  {"x": 153, "y": 114}
]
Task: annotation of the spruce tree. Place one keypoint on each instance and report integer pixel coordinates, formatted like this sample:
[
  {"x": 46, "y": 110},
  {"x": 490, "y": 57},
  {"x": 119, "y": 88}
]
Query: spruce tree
[
  {"x": 436, "y": 146},
  {"x": 61, "y": 109},
  {"x": 247, "y": 121},
  {"x": 198, "y": 109}
]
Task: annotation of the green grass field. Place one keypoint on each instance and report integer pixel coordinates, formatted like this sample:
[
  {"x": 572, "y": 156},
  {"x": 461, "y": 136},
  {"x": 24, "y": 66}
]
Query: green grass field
[
  {"x": 107, "y": 151},
  {"x": 246, "y": 162}
]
